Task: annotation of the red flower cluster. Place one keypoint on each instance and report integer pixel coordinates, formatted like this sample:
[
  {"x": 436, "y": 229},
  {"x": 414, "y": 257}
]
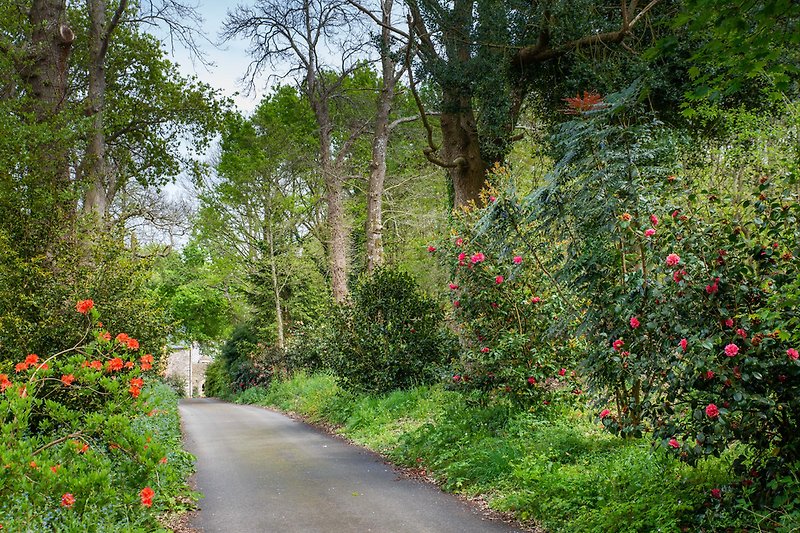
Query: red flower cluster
[
  {"x": 146, "y": 361},
  {"x": 579, "y": 104},
  {"x": 146, "y": 496},
  {"x": 68, "y": 500},
  {"x": 136, "y": 387},
  {"x": 84, "y": 306},
  {"x": 4, "y": 382}
]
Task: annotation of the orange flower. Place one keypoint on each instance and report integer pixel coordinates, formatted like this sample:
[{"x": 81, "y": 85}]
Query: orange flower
[
  {"x": 32, "y": 359},
  {"x": 21, "y": 367},
  {"x": 67, "y": 500},
  {"x": 44, "y": 366},
  {"x": 578, "y": 104},
  {"x": 132, "y": 344},
  {"x": 84, "y": 306},
  {"x": 137, "y": 382},
  {"x": 55, "y": 468},
  {"x": 67, "y": 379},
  {"x": 122, "y": 338},
  {"x": 128, "y": 364},
  {"x": 96, "y": 365},
  {"x": 146, "y": 496},
  {"x": 106, "y": 336},
  {"x": 135, "y": 391},
  {"x": 115, "y": 364},
  {"x": 4, "y": 382}
]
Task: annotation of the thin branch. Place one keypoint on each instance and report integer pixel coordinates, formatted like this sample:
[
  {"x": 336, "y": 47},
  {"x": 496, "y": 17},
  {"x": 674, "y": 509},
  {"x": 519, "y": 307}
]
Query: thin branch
[{"x": 378, "y": 21}]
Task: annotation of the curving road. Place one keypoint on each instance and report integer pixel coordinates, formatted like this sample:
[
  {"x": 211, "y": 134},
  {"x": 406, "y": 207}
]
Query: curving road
[{"x": 261, "y": 471}]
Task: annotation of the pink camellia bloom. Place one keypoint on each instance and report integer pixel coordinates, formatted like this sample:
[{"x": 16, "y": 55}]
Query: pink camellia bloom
[
  {"x": 683, "y": 344},
  {"x": 675, "y": 213},
  {"x": 477, "y": 258},
  {"x": 498, "y": 280},
  {"x": 731, "y": 350},
  {"x": 634, "y": 322},
  {"x": 485, "y": 349},
  {"x": 453, "y": 286},
  {"x": 462, "y": 256},
  {"x": 712, "y": 411},
  {"x": 531, "y": 380},
  {"x": 617, "y": 344},
  {"x": 649, "y": 232},
  {"x": 562, "y": 372},
  {"x": 677, "y": 276},
  {"x": 459, "y": 241},
  {"x": 456, "y": 378},
  {"x": 709, "y": 374},
  {"x": 673, "y": 259},
  {"x": 728, "y": 322},
  {"x": 431, "y": 248},
  {"x": 535, "y": 300},
  {"x": 604, "y": 413},
  {"x": 517, "y": 259},
  {"x": 456, "y": 303},
  {"x": 674, "y": 443},
  {"x": 492, "y": 199},
  {"x": 716, "y": 493},
  {"x": 792, "y": 353},
  {"x": 742, "y": 333},
  {"x": 654, "y": 220}
]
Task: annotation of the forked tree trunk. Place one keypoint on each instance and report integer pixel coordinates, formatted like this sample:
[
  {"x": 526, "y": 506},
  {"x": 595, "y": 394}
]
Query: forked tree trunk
[{"x": 461, "y": 145}]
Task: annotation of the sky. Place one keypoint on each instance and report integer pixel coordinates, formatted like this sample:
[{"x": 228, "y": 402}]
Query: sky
[{"x": 229, "y": 60}]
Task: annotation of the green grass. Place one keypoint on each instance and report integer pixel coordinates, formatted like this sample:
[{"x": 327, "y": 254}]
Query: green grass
[{"x": 561, "y": 470}]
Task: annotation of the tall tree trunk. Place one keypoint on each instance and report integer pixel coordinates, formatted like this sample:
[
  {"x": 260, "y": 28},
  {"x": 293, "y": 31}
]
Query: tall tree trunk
[
  {"x": 275, "y": 284},
  {"x": 377, "y": 175},
  {"x": 461, "y": 145}
]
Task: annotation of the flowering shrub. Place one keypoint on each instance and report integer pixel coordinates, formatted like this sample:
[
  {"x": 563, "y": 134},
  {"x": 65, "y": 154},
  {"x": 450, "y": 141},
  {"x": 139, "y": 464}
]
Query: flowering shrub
[{"x": 83, "y": 433}]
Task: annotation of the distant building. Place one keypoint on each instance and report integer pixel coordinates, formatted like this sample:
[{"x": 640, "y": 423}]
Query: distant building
[{"x": 192, "y": 378}]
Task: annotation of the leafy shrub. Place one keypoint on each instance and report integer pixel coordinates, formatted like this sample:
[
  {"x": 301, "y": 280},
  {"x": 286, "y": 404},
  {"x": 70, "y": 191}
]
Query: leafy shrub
[
  {"x": 88, "y": 442},
  {"x": 218, "y": 381},
  {"x": 390, "y": 337}
]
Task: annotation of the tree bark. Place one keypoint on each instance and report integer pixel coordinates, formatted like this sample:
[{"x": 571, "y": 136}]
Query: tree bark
[
  {"x": 380, "y": 142},
  {"x": 275, "y": 283},
  {"x": 461, "y": 146}
]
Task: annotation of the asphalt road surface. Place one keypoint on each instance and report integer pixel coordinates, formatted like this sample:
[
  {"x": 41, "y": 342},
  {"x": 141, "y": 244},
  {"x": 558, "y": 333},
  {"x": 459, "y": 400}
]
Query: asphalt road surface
[{"x": 261, "y": 471}]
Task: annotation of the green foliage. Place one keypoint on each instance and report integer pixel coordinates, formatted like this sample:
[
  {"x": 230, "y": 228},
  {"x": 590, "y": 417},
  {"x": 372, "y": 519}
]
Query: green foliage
[
  {"x": 84, "y": 431},
  {"x": 218, "y": 381},
  {"x": 389, "y": 337}
]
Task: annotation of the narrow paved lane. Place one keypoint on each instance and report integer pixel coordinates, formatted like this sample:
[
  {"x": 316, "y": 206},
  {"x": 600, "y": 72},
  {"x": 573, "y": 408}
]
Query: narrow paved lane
[{"x": 263, "y": 472}]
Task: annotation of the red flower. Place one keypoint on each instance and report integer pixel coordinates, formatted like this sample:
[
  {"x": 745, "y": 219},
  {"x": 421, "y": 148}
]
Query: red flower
[
  {"x": 84, "y": 306},
  {"x": 128, "y": 364},
  {"x": 68, "y": 500},
  {"x": 462, "y": 257},
  {"x": 477, "y": 258},
  {"x": 712, "y": 411},
  {"x": 4, "y": 382},
  {"x": 578, "y": 104},
  {"x": 54, "y": 468},
  {"x": 135, "y": 391},
  {"x": 654, "y": 220},
  {"x": 792, "y": 353},
  {"x": 115, "y": 364},
  {"x": 96, "y": 365},
  {"x": 459, "y": 241},
  {"x": 498, "y": 280},
  {"x": 531, "y": 380},
  {"x": 453, "y": 286},
  {"x": 716, "y": 493},
  {"x": 728, "y": 322},
  {"x": 562, "y": 372},
  {"x": 731, "y": 350},
  {"x": 32, "y": 359},
  {"x": 673, "y": 259},
  {"x": 742, "y": 333},
  {"x": 674, "y": 443},
  {"x": 132, "y": 344},
  {"x": 456, "y": 378},
  {"x": 163, "y": 460},
  {"x": 106, "y": 336},
  {"x": 431, "y": 249},
  {"x": 146, "y": 496},
  {"x": 677, "y": 276},
  {"x": 122, "y": 338},
  {"x": 617, "y": 344},
  {"x": 683, "y": 344},
  {"x": 634, "y": 322},
  {"x": 709, "y": 374},
  {"x": 67, "y": 379},
  {"x": 517, "y": 259},
  {"x": 535, "y": 300},
  {"x": 21, "y": 367},
  {"x": 485, "y": 349},
  {"x": 649, "y": 232},
  {"x": 456, "y": 303},
  {"x": 714, "y": 287},
  {"x": 137, "y": 382},
  {"x": 604, "y": 413}
]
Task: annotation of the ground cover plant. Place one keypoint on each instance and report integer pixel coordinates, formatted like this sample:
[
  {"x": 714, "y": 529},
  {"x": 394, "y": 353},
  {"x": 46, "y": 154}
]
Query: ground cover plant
[{"x": 90, "y": 439}]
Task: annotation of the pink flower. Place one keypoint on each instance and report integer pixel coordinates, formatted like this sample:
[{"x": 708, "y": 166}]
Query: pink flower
[
  {"x": 462, "y": 256},
  {"x": 431, "y": 249},
  {"x": 674, "y": 443},
  {"x": 792, "y": 353},
  {"x": 714, "y": 287},
  {"x": 618, "y": 344},
  {"x": 453, "y": 286},
  {"x": 517, "y": 259},
  {"x": 649, "y": 232},
  {"x": 535, "y": 300},
  {"x": 731, "y": 350},
  {"x": 634, "y": 322},
  {"x": 531, "y": 380},
  {"x": 709, "y": 374},
  {"x": 654, "y": 220},
  {"x": 485, "y": 349},
  {"x": 683, "y": 344},
  {"x": 498, "y": 280},
  {"x": 477, "y": 258},
  {"x": 492, "y": 199},
  {"x": 675, "y": 213},
  {"x": 742, "y": 333},
  {"x": 712, "y": 411},
  {"x": 677, "y": 276},
  {"x": 459, "y": 241},
  {"x": 456, "y": 303},
  {"x": 728, "y": 322},
  {"x": 673, "y": 259},
  {"x": 604, "y": 413},
  {"x": 456, "y": 378},
  {"x": 562, "y": 372},
  {"x": 716, "y": 493}
]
